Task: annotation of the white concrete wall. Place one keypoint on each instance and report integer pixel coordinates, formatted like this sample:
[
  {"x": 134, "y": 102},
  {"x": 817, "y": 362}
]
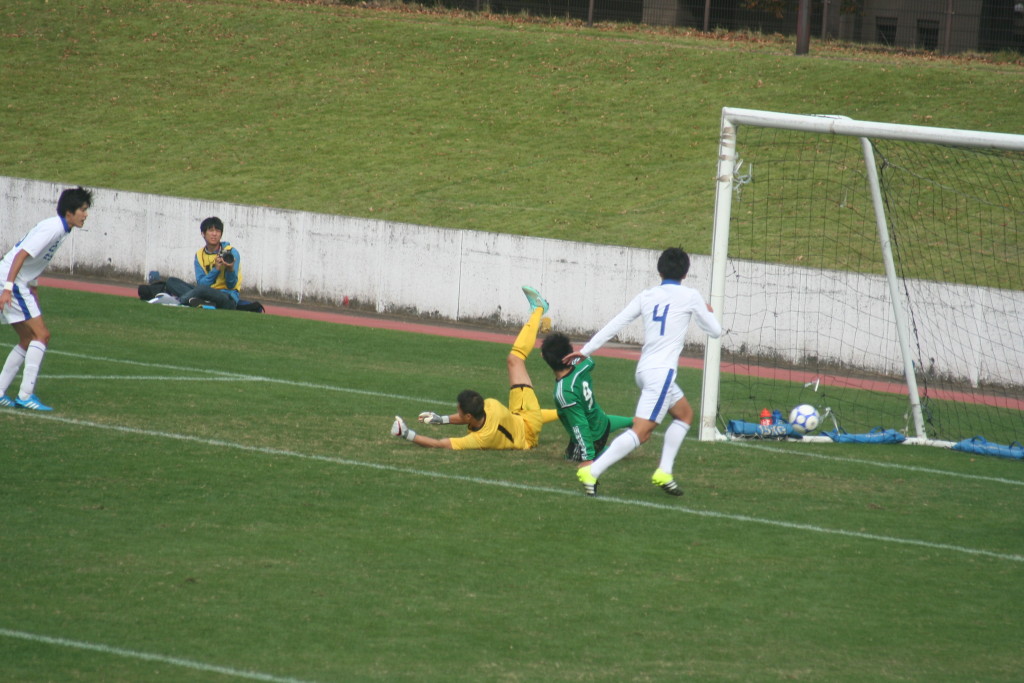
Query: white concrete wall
[
  {"x": 463, "y": 275},
  {"x": 456, "y": 275}
]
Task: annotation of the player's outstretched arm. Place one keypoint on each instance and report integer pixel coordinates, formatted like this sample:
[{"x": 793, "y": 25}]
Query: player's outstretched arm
[
  {"x": 708, "y": 322},
  {"x": 402, "y": 431}
]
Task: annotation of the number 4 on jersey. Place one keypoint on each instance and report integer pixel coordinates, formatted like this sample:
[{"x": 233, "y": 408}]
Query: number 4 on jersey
[{"x": 660, "y": 317}]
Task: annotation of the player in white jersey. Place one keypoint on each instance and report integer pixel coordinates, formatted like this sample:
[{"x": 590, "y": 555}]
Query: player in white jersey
[
  {"x": 666, "y": 311},
  {"x": 19, "y": 303}
]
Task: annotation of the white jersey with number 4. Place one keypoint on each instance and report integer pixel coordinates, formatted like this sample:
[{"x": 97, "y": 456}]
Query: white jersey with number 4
[{"x": 666, "y": 311}]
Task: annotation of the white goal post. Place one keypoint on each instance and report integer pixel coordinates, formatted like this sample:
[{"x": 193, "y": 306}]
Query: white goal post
[{"x": 925, "y": 313}]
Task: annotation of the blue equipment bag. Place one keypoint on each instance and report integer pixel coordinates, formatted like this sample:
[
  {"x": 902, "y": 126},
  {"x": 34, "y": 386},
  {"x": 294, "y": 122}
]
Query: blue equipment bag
[
  {"x": 980, "y": 446},
  {"x": 876, "y": 435},
  {"x": 779, "y": 430}
]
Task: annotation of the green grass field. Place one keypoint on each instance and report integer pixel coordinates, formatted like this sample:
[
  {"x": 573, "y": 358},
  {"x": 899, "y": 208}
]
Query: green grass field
[{"x": 217, "y": 497}]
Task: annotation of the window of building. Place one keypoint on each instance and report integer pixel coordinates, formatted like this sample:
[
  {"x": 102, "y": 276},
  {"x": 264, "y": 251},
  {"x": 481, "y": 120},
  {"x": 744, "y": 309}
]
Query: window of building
[
  {"x": 927, "y": 34},
  {"x": 885, "y": 30}
]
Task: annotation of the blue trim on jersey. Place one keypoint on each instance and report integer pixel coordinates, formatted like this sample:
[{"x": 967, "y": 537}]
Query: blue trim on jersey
[
  {"x": 64, "y": 222},
  {"x": 669, "y": 378},
  {"x": 671, "y": 282}
]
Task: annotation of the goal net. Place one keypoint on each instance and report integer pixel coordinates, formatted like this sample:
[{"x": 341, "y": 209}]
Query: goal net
[{"x": 871, "y": 270}]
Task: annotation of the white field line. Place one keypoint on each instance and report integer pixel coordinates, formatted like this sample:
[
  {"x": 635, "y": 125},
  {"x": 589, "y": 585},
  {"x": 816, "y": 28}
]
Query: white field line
[
  {"x": 145, "y": 656},
  {"x": 203, "y": 375},
  {"x": 889, "y": 465},
  {"x": 159, "y": 378},
  {"x": 219, "y": 443}
]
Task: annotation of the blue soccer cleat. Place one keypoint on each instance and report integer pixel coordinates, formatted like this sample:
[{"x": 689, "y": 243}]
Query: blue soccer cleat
[
  {"x": 6, "y": 401},
  {"x": 31, "y": 403},
  {"x": 535, "y": 299}
]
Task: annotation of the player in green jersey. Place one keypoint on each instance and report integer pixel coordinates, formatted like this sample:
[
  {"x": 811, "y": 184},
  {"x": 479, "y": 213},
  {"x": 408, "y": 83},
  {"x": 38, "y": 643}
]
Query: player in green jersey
[{"x": 581, "y": 415}]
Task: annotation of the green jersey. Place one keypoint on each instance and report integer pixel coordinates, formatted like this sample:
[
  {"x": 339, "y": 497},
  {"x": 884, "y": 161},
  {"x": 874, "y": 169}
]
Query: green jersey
[{"x": 579, "y": 411}]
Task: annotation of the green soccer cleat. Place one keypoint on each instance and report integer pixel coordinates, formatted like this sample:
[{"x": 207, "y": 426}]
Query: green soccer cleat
[
  {"x": 535, "y": 299},
  {"x": 666, "y": 482},
  {"x": 589, "y": 482}
]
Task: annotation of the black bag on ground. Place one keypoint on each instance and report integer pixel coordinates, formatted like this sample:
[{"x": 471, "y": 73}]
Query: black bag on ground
[{"x": 147, "y": 292}]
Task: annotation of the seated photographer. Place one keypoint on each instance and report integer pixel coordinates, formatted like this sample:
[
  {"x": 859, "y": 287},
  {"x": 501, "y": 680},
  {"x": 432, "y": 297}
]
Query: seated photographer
[{"x": 218, "y": 271}]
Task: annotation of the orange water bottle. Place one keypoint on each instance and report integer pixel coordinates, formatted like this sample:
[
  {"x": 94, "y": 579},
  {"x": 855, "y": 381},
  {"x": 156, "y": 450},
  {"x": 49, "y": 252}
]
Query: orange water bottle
[{"x": 766, "y": 417}]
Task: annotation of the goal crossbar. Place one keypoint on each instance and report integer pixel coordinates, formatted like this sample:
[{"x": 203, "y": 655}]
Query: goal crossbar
[{"x": 842, "y": 125}]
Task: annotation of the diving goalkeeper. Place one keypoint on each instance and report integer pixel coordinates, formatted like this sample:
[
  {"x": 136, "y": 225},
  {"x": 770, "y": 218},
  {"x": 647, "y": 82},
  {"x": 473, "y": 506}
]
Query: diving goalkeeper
[{"x": 491, "y": 425}]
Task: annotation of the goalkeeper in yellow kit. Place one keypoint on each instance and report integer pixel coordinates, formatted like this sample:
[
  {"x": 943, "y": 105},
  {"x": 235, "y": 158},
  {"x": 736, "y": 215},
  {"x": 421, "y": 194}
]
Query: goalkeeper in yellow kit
[{"x": 491, "y": 425}]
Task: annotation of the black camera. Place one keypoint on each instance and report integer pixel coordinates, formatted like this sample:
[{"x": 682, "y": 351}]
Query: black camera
[{"x": 228, "y": 256}]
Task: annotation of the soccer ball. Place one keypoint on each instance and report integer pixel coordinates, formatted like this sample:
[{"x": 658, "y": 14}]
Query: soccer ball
[{"x": 804, "y": 418}]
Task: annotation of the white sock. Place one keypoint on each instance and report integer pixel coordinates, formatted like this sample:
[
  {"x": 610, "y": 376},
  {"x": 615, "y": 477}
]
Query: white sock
[
  {"x": 14, "y": 360},
  {"x": 624, "y": 444},
  {"x": 33, "y": 361},
  {"x": 674, "y": 436}
]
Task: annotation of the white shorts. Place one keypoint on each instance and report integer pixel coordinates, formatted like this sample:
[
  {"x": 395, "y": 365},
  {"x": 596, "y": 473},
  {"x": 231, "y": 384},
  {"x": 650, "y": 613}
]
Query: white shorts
[
  {"x": 22, "y": 307},
  {"x": 658, "y": 393}
]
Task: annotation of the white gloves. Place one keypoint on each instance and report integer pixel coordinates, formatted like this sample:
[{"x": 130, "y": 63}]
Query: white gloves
[{"x": 399, "y": 428}]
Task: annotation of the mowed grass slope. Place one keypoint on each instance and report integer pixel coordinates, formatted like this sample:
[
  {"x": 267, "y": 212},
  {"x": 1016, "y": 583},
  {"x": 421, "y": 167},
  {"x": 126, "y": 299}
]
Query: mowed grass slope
[
  {"x": 480, "y": 122},
  {"x": 222, "y": 489}
]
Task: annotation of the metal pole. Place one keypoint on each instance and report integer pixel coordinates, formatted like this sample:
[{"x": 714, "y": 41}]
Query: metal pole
[
  {"x": 803, "y": 27},
  {"x": 709, "y": 393},
  {"x": 899, "y": 304},
  {"x": 949, "y": 27}
]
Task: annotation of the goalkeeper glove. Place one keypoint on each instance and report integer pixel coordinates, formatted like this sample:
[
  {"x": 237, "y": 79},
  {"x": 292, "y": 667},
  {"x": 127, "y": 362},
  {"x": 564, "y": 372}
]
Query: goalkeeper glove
[
  {"x": 399, "y": 428},
  {"x": 433, "y": 418}
]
